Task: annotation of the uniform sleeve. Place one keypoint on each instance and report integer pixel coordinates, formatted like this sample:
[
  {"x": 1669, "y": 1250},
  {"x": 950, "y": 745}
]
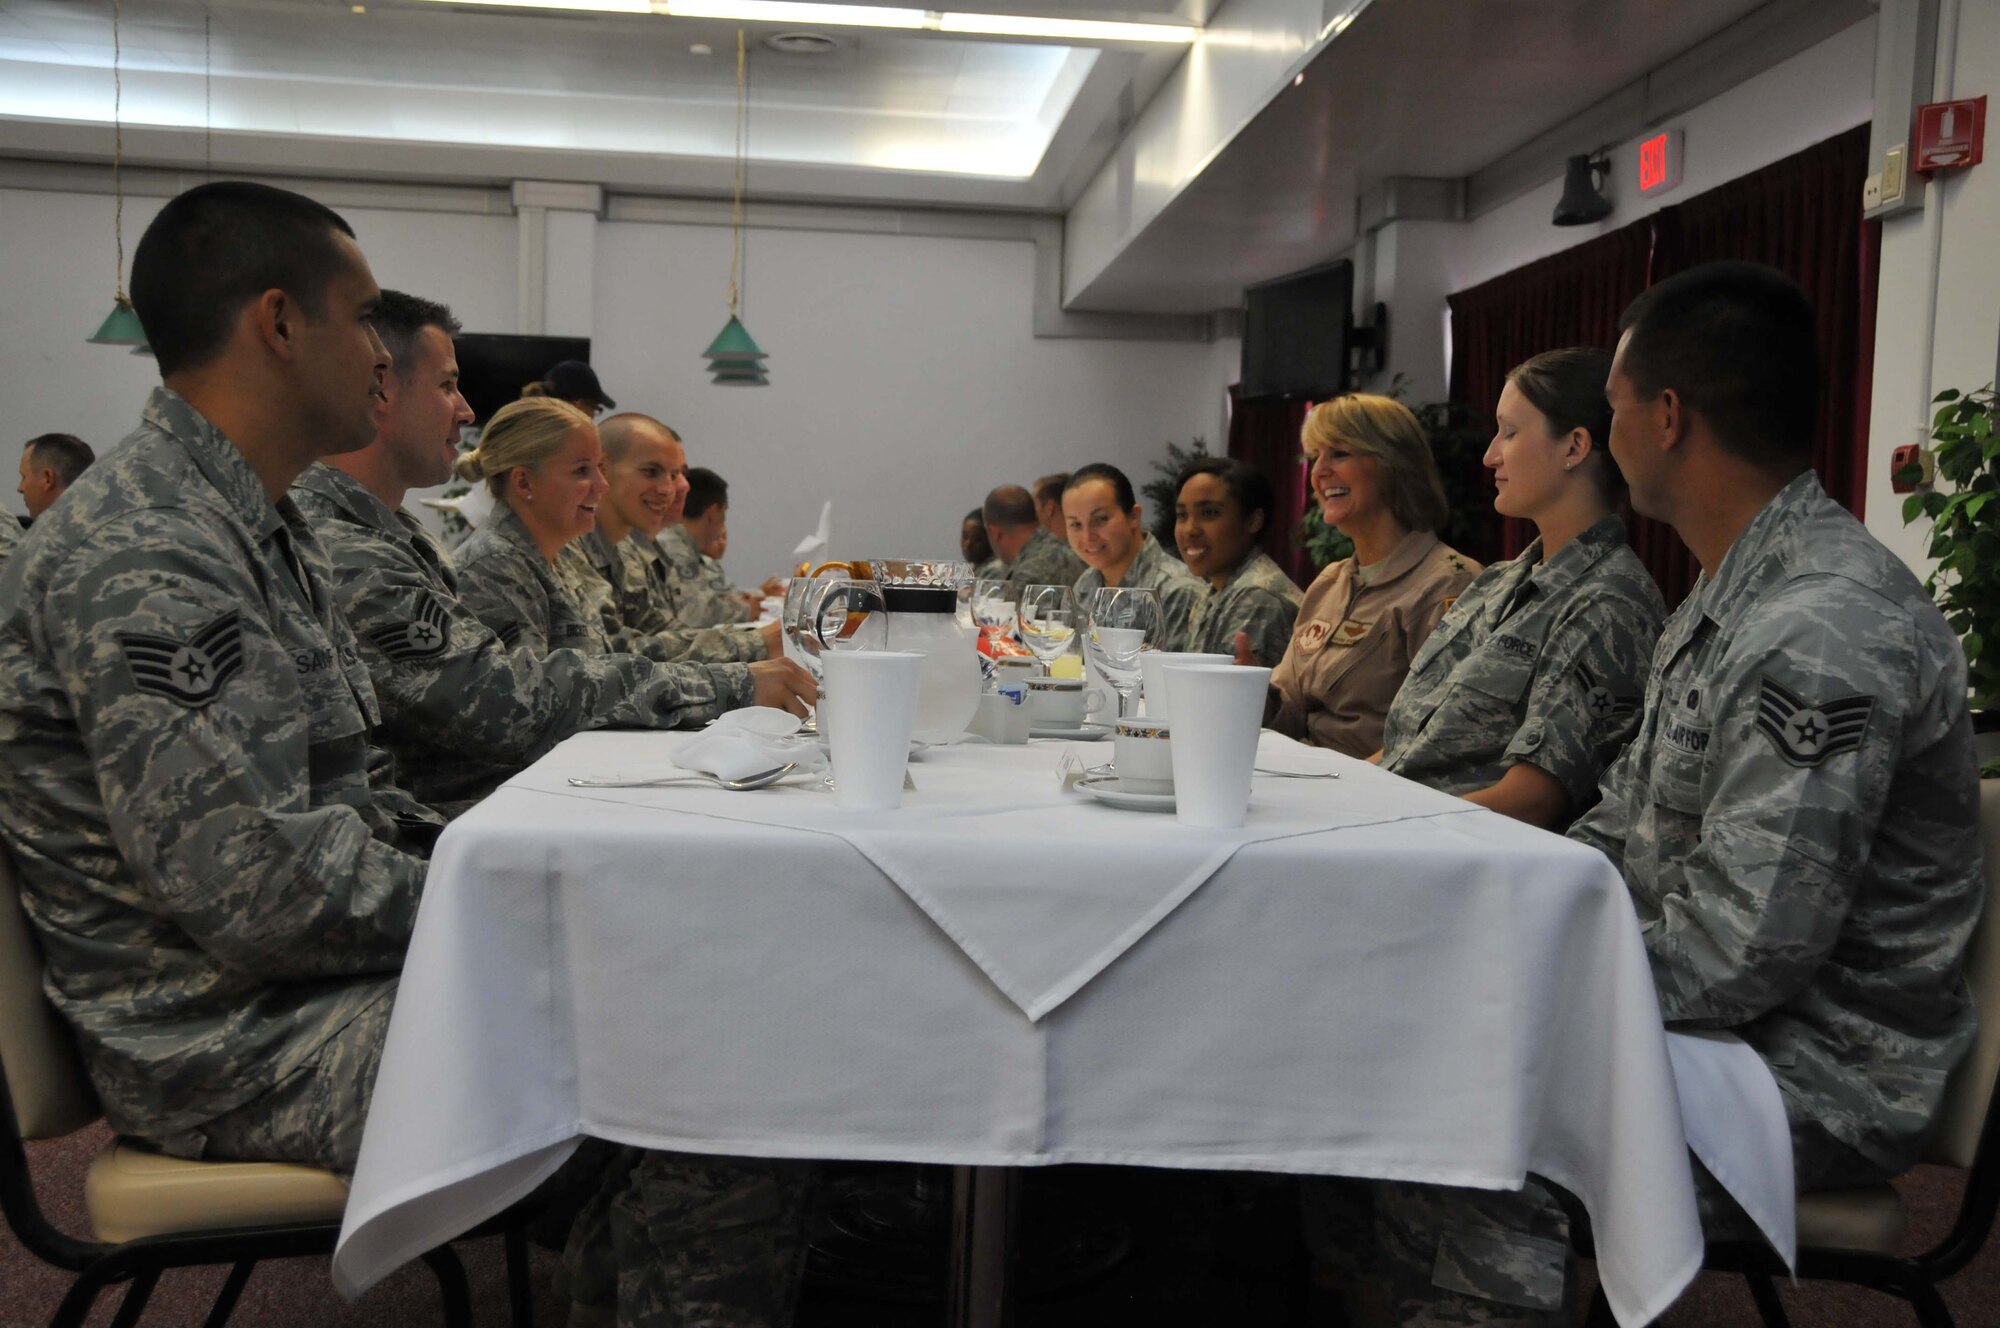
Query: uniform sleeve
[
  {"x": 440, "y": 670},
  {"x": 1268, "y": 620},
  {"x": 201, "y": 744},
  {"x": 1806, "y": 736},
  {"x": 497, "y": 590},
  {"x": 1583, "y": 705},
  {"x": 1177, "y": 606},
  {"x": 1606, "y": 825}
]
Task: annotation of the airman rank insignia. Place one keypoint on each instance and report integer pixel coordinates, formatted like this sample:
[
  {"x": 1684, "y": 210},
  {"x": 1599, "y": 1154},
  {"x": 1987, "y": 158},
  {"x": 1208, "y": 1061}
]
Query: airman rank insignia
[
  {"x": 419, "y": 638},
  {"x": 510, "y": 635},
  {"x": 190, "y": 672},
  {"x": 1598, "y": 700},
  {"x": 1807, "y": 734}
]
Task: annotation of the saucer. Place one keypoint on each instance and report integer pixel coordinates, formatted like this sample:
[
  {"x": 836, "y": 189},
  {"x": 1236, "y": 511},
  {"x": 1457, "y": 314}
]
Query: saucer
[
  {"x": 1082, "y": 733},
  {"x": 1107, "y": 791}
]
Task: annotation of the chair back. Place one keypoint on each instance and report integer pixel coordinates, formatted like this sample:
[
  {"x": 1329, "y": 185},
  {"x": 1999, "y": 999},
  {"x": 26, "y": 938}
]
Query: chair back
[
  {"x": 51, "y": 1095},
  {"x": 1962, "y": 1117}
]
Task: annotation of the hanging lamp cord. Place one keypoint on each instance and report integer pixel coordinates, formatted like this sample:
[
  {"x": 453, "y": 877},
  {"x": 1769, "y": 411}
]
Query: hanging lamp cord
[
  {"x": 207, "y": 98},
  {"x": 736, "y": 207},
  {"x": 118, "y": 153}
]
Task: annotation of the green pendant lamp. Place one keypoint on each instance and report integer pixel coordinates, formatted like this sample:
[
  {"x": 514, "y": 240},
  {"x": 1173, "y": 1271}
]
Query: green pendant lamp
[
  {"x": 734, "y": 357},
  {"x": 121, "y": 326}
]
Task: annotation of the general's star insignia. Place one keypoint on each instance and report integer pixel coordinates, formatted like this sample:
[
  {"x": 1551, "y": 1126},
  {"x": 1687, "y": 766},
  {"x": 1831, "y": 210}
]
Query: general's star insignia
[
  {"x": 190, "y": 672},
  {"x": 419, "y": 638},
  {"x": 1807, "y": 734}
]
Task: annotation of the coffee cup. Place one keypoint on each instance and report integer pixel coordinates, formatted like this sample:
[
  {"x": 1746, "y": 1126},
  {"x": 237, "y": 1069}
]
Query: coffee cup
[
  {"x": 1060, "y": 703},
  {"x": 1143, "y": 754}
]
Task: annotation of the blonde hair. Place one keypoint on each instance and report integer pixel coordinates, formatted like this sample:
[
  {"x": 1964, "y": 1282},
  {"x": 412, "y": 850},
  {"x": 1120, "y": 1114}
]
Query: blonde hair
[
  {"x": 1382, "y": 428},
  {"x": 521, "y": 433}
]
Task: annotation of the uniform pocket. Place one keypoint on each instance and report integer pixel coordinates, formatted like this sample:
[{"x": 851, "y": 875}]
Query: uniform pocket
[{"x": 1676, "y": 780}]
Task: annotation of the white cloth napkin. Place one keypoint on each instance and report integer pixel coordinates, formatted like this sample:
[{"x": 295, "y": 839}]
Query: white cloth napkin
[
  {"x": 813, "y": 547},
  {"x": 747, "y": 742},
  {"x": 1734, "y": 1115},
  {"x": 474, "y": 506}
]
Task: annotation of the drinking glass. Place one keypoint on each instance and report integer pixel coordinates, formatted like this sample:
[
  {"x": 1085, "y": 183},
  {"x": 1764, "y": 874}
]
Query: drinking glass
[
  {"x": 1124, "y": 623},
  {"x": 841, "y": 613},
  {"x": 1046, "y": 616},
  {"x": 992, "y": 609}
]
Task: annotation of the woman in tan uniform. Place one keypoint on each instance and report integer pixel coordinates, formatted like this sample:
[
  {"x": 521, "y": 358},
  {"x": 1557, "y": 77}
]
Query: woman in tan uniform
[{"x": 1365, "y": 617}]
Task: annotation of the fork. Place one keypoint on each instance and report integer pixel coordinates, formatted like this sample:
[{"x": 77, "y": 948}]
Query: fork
[{"x": 756, "y": 781}]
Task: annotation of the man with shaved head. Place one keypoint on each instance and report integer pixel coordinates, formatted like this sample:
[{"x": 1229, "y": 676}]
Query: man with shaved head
[
  {"x": 49, "y": 464},
  {"x": 1033, "y": 556}
]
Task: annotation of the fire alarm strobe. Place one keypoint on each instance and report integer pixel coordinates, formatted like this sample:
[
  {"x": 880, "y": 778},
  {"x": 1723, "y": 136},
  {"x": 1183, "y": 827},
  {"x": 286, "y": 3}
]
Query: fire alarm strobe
[{"x": 1951, "y": 135}]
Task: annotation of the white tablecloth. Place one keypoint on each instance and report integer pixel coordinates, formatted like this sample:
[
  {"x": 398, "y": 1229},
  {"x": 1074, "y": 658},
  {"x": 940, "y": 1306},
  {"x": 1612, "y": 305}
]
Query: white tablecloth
[{"x": 1455, "y": 998}]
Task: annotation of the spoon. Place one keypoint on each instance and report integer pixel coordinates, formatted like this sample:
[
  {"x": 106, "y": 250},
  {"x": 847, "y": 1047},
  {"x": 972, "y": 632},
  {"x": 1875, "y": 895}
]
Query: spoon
[
  {"x": 1299, "y": 774},
  {"x": 756, "y": 781}
]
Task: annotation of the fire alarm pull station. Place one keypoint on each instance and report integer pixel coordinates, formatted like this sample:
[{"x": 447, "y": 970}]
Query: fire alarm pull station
[{"x": 1902, "y": 458}]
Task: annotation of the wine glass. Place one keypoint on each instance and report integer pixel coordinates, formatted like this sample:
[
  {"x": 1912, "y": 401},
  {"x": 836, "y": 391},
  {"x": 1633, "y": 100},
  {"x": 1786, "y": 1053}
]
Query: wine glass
[
  {"x": 992, "y": 610},
  {"x": 1046, "y": 616},
  {"x": 1124, "y": 623}
]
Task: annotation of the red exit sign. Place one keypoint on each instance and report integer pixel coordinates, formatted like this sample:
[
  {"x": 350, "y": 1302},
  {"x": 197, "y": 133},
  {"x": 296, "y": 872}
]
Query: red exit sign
[{"x": 1660, "y": 162}]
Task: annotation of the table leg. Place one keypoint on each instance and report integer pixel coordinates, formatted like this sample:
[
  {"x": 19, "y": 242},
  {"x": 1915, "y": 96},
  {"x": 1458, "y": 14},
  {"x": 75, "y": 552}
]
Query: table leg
[{"x": 982, "y": 1290}]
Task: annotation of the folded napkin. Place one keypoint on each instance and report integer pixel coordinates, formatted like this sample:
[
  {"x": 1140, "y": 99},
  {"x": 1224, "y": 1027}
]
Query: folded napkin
[
  {"x": 474, "y": 506},
  {"x": 813, "y": 547},
  {"x": 748, "y": 742}
]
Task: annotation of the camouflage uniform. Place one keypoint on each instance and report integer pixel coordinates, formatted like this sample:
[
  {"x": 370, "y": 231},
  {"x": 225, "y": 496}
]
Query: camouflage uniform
[
  {"x": 677, "y": 1240},
  {"x": 1045, "y": 561},
  {"x": 461, "y": 712},
  {"x": 693, "y": 594},
  {"x": 626, "y": 591},
  {"x": 1258, "y": 600},
  {"x": 716, "y": 582},
  {"x": 11, "y": 535},
  {"x": 223, "y": 897},
  {"x": 990, "y": 570},
  {"x": 509, "y": 586},
  {"x": 1180, "y": 590},
  {"x": 1797, "y": 821},
  {"x": 1538, "y": 662}
]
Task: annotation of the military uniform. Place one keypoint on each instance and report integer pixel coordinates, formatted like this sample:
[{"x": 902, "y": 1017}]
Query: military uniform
[
  {"x": 1797, "y": 821},
  {"x": 693, "y": 594},
  {"x": 625, "y": 589},
  {"x": 11, "y": 535},
  {"x": 1180, "y": 590},
  {"x": 1258, "y": 600},
  {"x": 990, "y": 570},
  {"x": 1358, "y": 629},
  {"x": 511, "y": 588},
  {"x": 1539, "y": 662},
  {"x": 222, "y": 896},
  {"x": 1045, "y": 561},
  {"x": 462, "y": 712}
]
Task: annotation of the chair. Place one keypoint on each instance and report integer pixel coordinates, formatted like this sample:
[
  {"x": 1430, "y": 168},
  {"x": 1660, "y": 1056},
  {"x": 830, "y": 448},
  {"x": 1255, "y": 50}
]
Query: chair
[
  {"x": 1853, "y": 1235},
  {"x": 152, "y": 1212}
]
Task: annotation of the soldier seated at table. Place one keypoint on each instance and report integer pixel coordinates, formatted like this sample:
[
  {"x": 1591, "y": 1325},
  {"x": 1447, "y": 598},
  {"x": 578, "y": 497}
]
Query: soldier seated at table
[
  {"x": 1531, "y": 684},
  {"x": 1107, "y": 528},
  {"x": 691, "y": 547},
  {"x": 1797, "y": 819},
  {"x": 619, "y": 571},
  {"x": 460, "y": 710},
  {"x": 1025, "y": 548},
  {"x": 1222, "y": 507},
  {"x": 222, "y": 893}
]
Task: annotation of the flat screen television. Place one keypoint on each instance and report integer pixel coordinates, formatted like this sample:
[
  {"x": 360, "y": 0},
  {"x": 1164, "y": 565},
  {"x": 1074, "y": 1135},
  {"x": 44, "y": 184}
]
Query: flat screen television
[
  {"x": 1296, "y": 331},
  {"x": 493, "y": 367}
]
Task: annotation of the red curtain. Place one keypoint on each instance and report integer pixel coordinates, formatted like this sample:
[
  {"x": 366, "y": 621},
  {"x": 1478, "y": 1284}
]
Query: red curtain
[
  {"x": 1800, "y": 215},
  {"x": 1266, "y": 435}
]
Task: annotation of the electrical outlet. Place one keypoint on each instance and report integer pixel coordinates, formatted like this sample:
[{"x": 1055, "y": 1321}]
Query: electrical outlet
[{"x": 1871, "y": 192}]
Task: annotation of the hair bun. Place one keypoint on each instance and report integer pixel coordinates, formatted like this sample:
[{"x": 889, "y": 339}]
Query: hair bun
[{"x": 471, "y": 467}]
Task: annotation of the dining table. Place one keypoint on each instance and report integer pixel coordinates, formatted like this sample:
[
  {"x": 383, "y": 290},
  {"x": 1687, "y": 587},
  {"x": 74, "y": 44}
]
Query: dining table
[{"x": 1369, "y": 978}]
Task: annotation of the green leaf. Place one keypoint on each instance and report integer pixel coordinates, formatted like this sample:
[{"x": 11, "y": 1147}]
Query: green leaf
[
  {"x": 1974, "y": 643},
  {"x": 1978, "y": 503},
  {"x": 1909, "y": 474},
  {"x": 1913, "y": 506},
  {"x": 1933, "y": 504},
  {"x": 1949, "y": 394}
]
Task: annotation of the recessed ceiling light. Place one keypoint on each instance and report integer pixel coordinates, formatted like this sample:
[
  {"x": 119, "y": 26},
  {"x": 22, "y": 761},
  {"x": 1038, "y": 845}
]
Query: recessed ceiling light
[
  {"x": 801, "y": 43},
  {"x": 701, "y": 48}
]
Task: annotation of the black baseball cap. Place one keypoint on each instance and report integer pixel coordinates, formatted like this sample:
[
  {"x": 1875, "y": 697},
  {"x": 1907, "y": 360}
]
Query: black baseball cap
[{"x": 573, "y": 380}]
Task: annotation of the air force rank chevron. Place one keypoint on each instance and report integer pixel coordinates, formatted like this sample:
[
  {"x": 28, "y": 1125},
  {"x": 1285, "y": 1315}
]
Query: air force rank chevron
[
  {"x": 1599, "y": 701},
  {"x": 190, "y": 671},
  {"x": 419, "y": 638},
  {"x": 1807, "y": 734}
]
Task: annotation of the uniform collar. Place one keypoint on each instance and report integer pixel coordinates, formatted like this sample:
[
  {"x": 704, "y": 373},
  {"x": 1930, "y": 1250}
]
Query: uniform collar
[
  {"x": 1574, "y": 559},
  {"x": 1759, "y": 555},
  {"x": 1035, "y": 541},
  {"x": 1246, "y": 567},
  {"x": 1148, "y": 562},
  {"x": 1411, "y": 550},
  {"x": 218, "y": 459},
  {"x": 598, "y": 549},
  {"x": 683, "y": 543},
  {"x": 350, "y": 496},
  {"x": 506, "y": 525}
]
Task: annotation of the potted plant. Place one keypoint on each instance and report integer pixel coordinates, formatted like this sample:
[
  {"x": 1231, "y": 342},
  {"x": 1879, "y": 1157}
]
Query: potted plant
[{"x": 1965, "y": 542}]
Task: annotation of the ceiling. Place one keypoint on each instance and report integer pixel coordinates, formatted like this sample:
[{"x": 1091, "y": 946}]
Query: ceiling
[{"x": 409, "y": 90}]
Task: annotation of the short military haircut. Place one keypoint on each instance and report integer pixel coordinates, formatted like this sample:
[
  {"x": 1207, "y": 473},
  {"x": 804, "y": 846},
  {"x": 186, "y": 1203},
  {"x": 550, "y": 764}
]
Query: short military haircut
[
  {"x": 1049, "y": 488},
  {"x": 216, "y": 248},
  {"x": 398, "y": 320},
  {"x": 1010, "y": 505},
  {"x": 617, "y": 433},
  {"x": 706, "y": 489},
  {"x": 1246, "y": 484},
  {"x": 1739, "y": 344},
  {"x": 64, "y": 453},
  {"x": 1121, "y": 485}
]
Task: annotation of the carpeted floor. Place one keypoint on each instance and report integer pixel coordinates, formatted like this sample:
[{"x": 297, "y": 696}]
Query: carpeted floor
[{"x": 296, "y": 1293}]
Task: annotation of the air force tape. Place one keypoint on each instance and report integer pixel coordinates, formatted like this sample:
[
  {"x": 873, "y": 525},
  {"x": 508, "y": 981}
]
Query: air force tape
[
  {"x": 191, "y": 672},
  {"x": 1806, "y": 734}
]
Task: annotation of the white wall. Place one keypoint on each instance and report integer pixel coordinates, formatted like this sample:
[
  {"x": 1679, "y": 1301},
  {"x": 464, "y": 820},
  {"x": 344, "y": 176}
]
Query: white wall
[
  {"x": 1961, "y": 208},
  {"x": 904, "y": 381}
]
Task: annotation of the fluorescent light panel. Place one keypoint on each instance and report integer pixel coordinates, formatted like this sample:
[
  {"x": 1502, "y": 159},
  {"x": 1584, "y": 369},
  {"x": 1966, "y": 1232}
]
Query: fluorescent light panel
[{"x": 868, "y": 16}]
